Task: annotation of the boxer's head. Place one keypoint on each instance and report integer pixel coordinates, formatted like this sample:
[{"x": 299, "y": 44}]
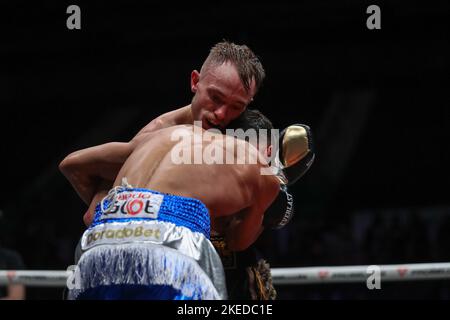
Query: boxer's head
[
  {"x": 254, "y": 119},
  {"x": 227, "y": 82}
]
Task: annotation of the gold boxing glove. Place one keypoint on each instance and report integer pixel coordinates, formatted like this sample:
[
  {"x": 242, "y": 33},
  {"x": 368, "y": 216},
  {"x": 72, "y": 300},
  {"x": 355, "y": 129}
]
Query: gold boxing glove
[{"x": 295, "y": 153}]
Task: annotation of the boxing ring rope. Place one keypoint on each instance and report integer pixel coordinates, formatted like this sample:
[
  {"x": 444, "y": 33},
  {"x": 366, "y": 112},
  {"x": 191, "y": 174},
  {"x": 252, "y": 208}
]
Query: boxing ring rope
[
  {"x": 347, "y": 274},
  {"x": 281, "y": 276},
  {"x": 34, "y": 278}
]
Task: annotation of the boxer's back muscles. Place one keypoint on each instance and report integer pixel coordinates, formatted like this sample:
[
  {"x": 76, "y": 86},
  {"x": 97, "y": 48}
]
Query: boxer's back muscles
[
  {"x": 225, "y": 189},
  {"x": 236, "y": 191}
]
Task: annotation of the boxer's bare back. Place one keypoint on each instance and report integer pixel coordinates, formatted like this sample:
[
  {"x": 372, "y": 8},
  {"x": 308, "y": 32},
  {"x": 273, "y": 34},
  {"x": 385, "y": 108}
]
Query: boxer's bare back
[{"x": 225, "y": 189}]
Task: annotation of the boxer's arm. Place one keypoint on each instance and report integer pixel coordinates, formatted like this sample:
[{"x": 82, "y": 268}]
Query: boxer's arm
[
  {"x": 246, "y": 227},
  {"x": 88, "y": 170}
]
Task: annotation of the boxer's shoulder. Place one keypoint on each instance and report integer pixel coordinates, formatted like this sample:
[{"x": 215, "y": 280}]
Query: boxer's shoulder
[
  {"x": 169, "y": 119},
  {"x": 176, "y": 117}
]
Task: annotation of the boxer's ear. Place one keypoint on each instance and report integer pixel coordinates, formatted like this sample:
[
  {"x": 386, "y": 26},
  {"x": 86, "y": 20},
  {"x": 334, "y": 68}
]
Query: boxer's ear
[
  {"x": 195, "y": 78},
  {"x": 269, "y": 151}
]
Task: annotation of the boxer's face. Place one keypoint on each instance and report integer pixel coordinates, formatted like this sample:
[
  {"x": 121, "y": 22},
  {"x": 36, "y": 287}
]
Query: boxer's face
[{"x": 219, "y": 95}]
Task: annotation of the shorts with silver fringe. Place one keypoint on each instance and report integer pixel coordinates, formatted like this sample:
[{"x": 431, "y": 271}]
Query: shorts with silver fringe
[{"x": 144, "y": 244}]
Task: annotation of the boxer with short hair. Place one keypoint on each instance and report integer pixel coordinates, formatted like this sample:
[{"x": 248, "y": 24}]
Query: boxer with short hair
[{"x": 227, "y": 82}]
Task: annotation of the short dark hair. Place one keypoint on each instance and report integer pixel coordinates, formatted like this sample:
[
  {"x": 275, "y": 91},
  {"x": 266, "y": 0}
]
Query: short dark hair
[
  {"x": 252, "y": 119},
  {"x": 247, "y": 63}
]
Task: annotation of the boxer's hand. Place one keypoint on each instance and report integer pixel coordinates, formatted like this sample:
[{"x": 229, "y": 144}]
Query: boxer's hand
[
  {"x": 293, "y": 159},
  {"x": 295, "y": 153},
  {"x": 89, "y": 215}
]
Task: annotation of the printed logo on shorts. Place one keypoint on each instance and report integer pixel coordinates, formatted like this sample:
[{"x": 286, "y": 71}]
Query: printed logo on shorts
[
  {"x": 134, "y": 205},
  {"x": 123, "y": 233}
]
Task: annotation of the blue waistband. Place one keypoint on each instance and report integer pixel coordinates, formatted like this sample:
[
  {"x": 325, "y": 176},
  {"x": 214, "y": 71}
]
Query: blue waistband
[{"x": 182, "y": 211}]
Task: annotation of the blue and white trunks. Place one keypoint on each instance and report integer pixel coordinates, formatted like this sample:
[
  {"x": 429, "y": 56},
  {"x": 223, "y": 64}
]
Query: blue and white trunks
[{"x": 144, "y": 244}]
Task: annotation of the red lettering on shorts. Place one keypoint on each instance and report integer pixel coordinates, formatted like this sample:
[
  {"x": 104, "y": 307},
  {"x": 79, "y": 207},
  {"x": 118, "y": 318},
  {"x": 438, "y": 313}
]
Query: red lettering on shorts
[{"x": 131, "y": 207}]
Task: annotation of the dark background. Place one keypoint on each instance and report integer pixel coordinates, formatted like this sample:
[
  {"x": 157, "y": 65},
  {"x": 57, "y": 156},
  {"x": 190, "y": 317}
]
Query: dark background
[{"x": 377, "y": 101}]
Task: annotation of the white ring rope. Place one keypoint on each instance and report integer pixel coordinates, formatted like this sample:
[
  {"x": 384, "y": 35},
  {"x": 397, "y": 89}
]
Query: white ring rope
[
  {"x": 347, "y": 274},
  {"x": 35, "y": 278},
  {"x": 282, "y": 276}
]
